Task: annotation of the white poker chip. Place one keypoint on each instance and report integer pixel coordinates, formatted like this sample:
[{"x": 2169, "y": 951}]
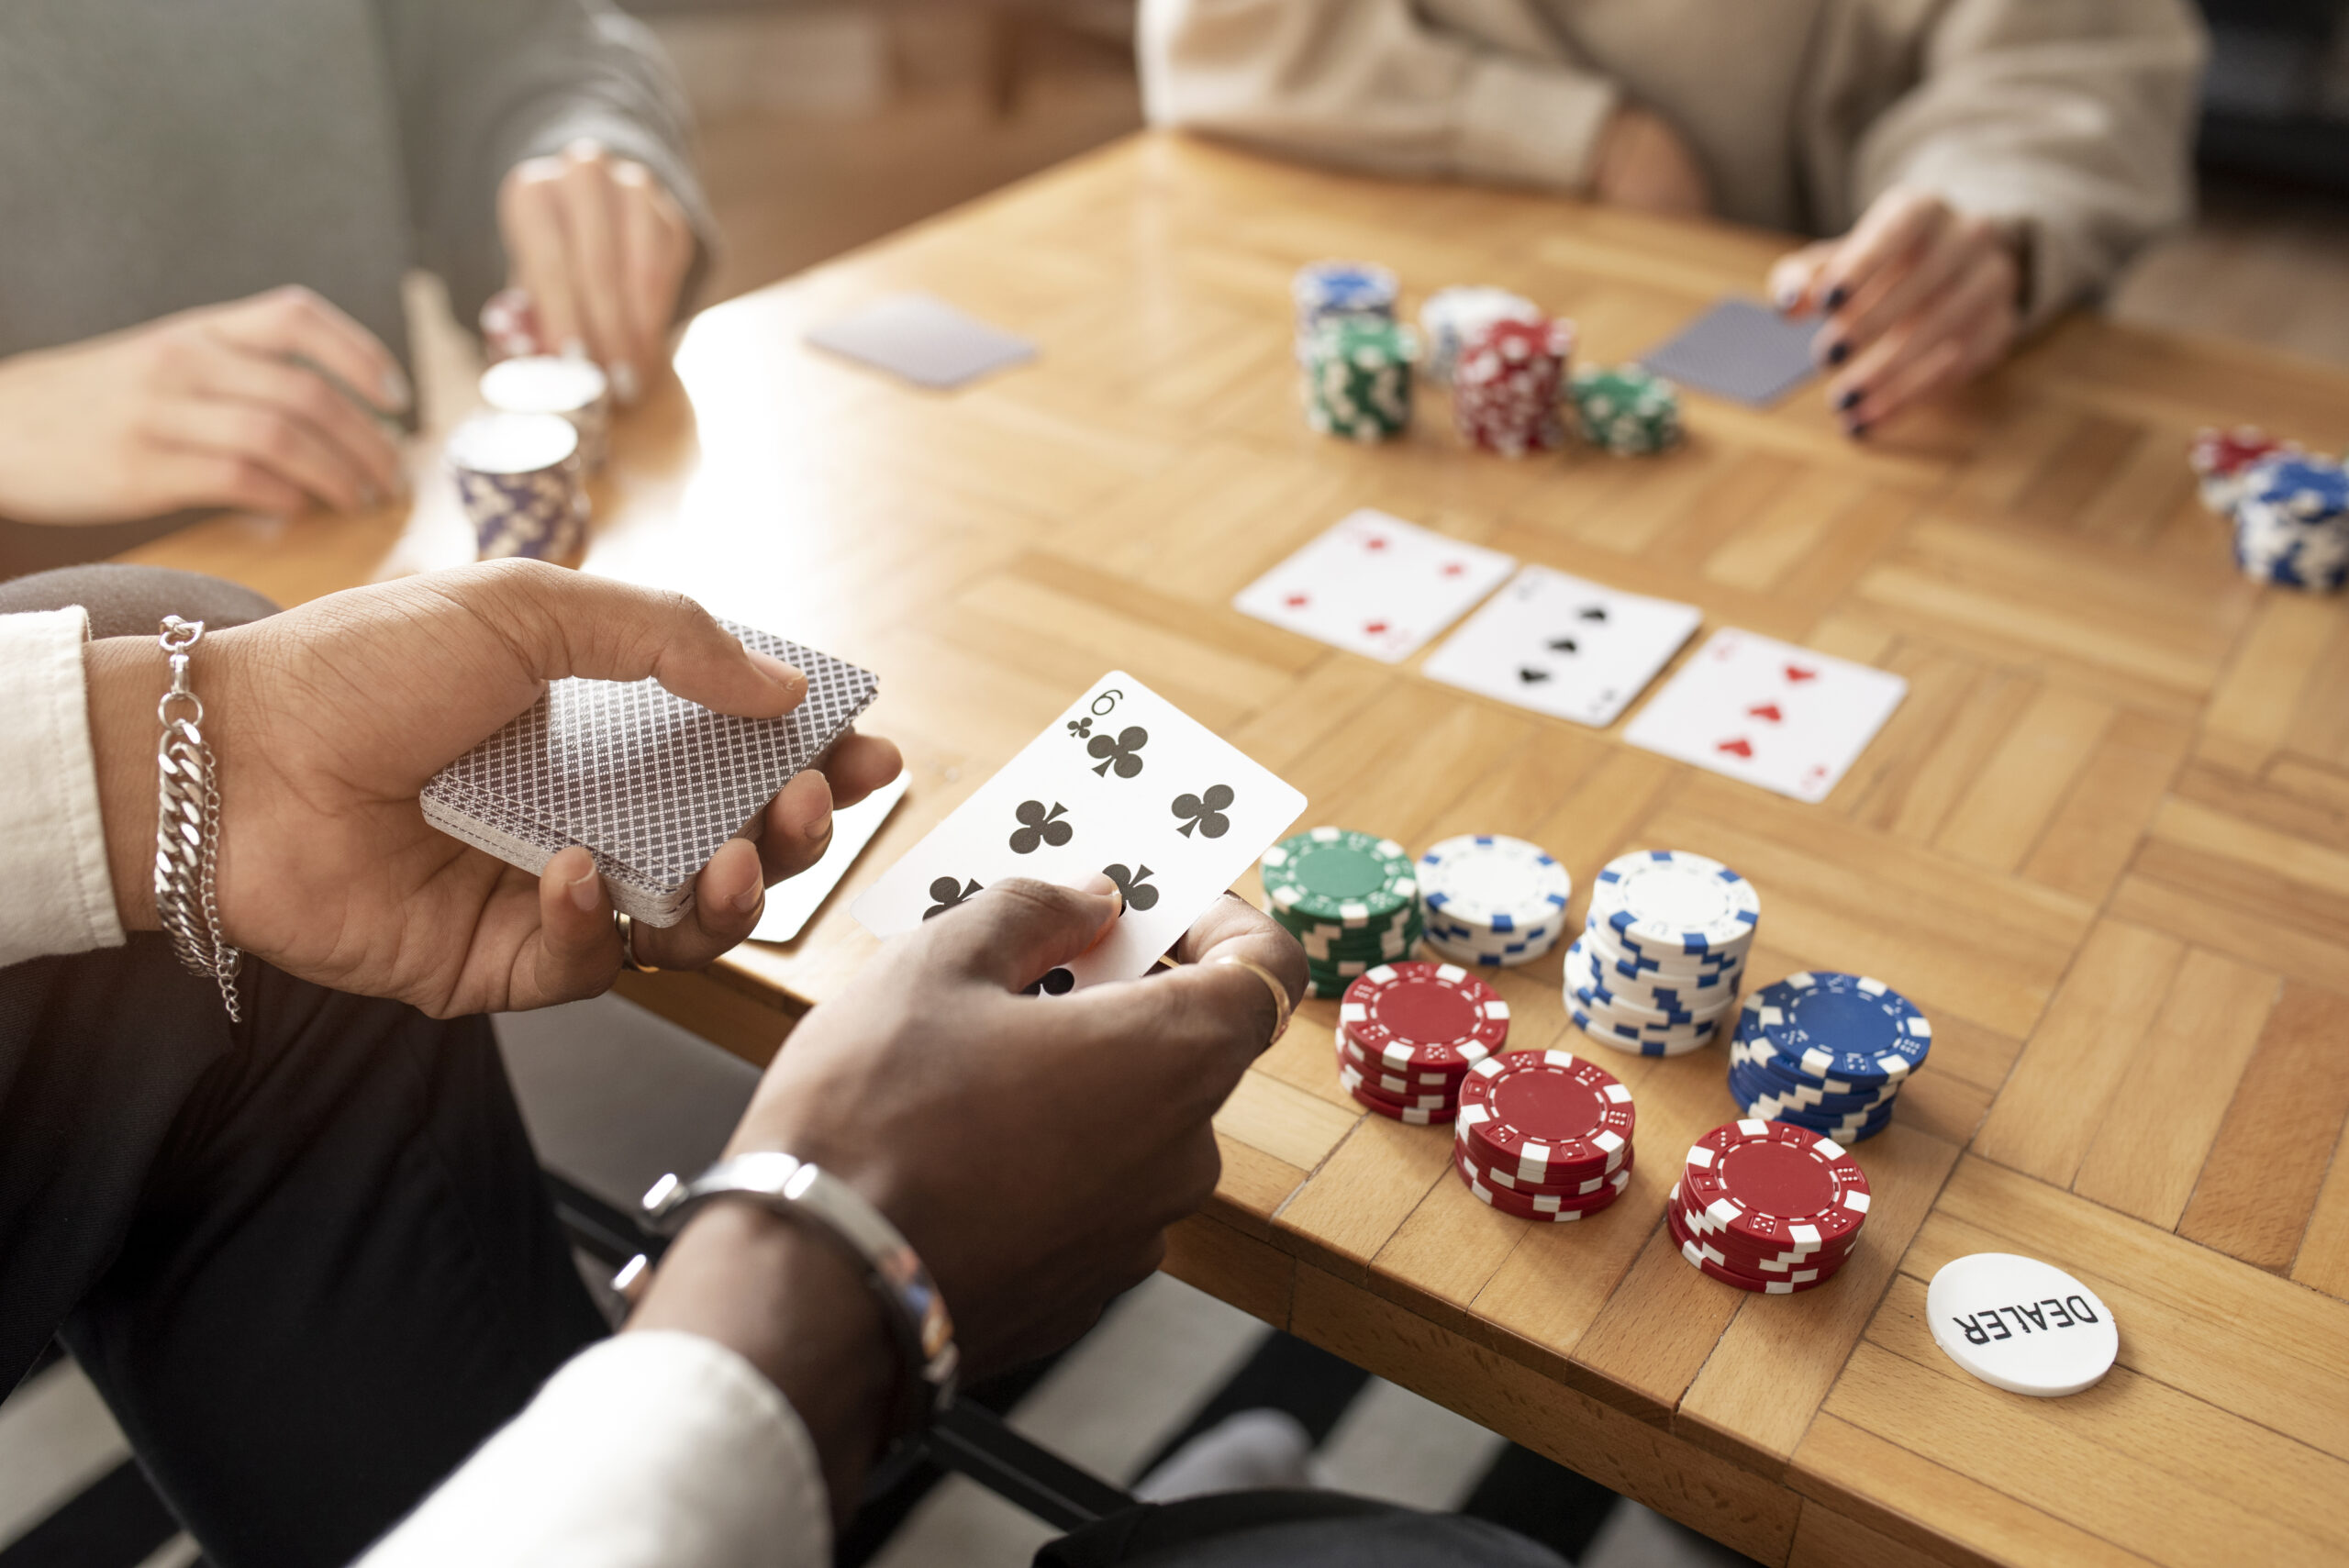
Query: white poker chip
[
  {"x": 1497, "y": 884},
  {"x": 1672, "y": 901},
  {"x": 2021, "y": 1325}
]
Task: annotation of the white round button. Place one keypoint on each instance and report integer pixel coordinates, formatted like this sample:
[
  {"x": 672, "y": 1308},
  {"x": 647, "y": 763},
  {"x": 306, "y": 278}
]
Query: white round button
[{"x": 2021, "y": 1325}]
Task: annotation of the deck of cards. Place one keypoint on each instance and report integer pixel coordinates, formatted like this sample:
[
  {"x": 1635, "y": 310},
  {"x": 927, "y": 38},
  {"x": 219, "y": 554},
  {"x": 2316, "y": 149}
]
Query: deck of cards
[
  {"x": 1123, "y": 784},
  {"x": 651, "y": 784}
]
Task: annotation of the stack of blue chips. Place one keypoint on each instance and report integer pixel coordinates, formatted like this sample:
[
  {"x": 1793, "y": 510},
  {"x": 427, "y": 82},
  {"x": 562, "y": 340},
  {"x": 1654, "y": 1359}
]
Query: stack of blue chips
[{"x": 1827, "y": 1053}]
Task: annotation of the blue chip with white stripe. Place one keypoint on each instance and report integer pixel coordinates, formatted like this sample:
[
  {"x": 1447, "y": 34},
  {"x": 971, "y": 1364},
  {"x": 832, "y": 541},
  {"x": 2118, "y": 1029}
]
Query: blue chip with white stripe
[{"x": 1847, "y": 1031}]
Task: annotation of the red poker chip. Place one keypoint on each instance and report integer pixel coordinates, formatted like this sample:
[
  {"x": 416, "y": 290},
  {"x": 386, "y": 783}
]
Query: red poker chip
[
  {"x": 1370, "y": 1066},
  {"x": 1409, "y": 1114},
  {"x": 1693, "y": 1253},
  {"x": 1546, "y": 1117},
  {"x": 1359, "y": 1086},
  {"x": 1419, "y": 1015},
  {"x": 1745, "y": 1256},
  {"x": 1555, "y": 1210},
  {"x": 1499, "y": 1176},
  {"x": 1776, "y": 1184}
]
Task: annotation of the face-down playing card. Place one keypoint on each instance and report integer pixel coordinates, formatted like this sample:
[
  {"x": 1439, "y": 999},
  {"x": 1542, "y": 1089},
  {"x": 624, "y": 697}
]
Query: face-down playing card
[
  {"x": 651, "y": 784},
  {"x": 1740, "y": 350},
  {"x": 1375, "y": 585},
  {"x": 1787, "y": 718},
  {"x": 1561, "y": 646},
  {"x": 923, "y": 340},
  {"x": 1123, "y": 784}
]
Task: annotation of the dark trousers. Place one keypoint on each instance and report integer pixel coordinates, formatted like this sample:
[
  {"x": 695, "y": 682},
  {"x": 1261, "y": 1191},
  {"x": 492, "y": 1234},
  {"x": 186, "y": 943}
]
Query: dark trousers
[
  {"x": 1291, "y": 1529},
  {"x": 307, "y": 1259}
]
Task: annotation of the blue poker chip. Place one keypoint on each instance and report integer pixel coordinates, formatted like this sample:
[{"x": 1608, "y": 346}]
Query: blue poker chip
[
  {"x": 1749, "y": 1082},
  {"x": 1747, "y": 1045},
  {"x": 1837, "y": 1128},
  {"x": 1843, "y": 1028}
]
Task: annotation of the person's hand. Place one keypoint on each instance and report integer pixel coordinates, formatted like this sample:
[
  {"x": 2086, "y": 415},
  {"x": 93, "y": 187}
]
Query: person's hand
[
  {"x": 227, "y": 406},
  {"x": 1642, "y": 163},
  {"x": 1917, "y": 297},
  {"x": 1032, "y": 1148},
  {"x": 327, "y": 719},
  {"x": 602, "y": 250}
]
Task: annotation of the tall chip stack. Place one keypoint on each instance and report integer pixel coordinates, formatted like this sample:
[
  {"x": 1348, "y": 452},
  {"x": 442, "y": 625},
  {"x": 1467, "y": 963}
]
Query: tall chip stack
[
  {"x": 1452, "y": 318},
  {"x": 1768, "y": 1208},
  {"x": 1662, "y": 949},
  {"x": 1409, "y": 1033},
  {"x": 1507, "y": 387},
  {"x": 1543, "y": 1135},
  {"x": 1489, "y": 901},
  {"x": 1358, "y": 377},
  {"x": 2292, "y": 522},
  {"x": 1827, "y": 1053},
  {"x": 1626, "y": 410},
  {"x": 1350, "y": 898}
]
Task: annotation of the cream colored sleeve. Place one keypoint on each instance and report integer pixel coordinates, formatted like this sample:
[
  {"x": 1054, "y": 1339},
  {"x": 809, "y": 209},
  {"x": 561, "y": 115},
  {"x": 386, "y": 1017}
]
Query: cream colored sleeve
[
  {"x": 2076, "y": 116},
  {"x": 1369, "y": 84}
]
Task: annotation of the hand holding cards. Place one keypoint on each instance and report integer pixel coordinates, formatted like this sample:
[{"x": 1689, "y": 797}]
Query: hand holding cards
[{"x": 1123, "y": 785}]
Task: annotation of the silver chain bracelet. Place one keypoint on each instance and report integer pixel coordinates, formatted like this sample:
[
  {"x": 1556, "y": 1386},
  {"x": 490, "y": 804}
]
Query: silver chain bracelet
[{"x": 187, "y": 826}]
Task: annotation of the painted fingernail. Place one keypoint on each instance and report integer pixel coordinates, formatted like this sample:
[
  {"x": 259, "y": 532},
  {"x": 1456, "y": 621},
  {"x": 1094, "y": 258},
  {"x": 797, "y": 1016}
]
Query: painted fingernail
[
  {"x": 775, "y": 670},
  {"x": 396, "y": 392},
  {"x": 1848, "y": 400},
  {"x": 624, "y": 382},
  {"x": 1838, "y": 352},
  {"x": 1785, "y": 298},
  {"x": 1859, "y": 429},
  {"x": 1836, "y": 296},
  {"x": 587, "y": 891}
]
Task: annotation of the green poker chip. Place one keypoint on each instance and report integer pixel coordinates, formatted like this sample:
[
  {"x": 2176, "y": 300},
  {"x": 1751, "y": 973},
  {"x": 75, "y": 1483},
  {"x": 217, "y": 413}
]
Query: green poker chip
[
  {"x": 1337, "y": 876},
  {"x": 1358, "y": 377},
  {"x": 1625, "y": 409}
]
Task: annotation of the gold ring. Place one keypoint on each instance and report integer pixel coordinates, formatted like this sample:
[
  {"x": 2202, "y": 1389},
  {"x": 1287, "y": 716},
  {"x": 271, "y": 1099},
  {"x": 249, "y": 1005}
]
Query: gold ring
[
  {"x": 627, "y": 928},
  {"x": 1280, "y": 991}
]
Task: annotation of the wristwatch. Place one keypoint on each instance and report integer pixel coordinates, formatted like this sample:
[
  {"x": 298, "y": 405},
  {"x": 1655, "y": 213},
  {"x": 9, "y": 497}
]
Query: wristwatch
[{"x": 785, "y": 1185}]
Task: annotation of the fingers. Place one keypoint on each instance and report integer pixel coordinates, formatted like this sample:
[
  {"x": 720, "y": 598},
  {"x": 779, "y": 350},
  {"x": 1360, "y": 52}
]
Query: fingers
[
  {"x": 1976, "y": 311},
  {"x": 1794, "y": 278},
  {"x": 244, "y": 436},
  {"x": 796, "y": 826},
  {"x": 531, "y": 220},
  {"x": 565, "y": 623},
  {"x": 656, "y": 245},
  {"x": 1017, "y": 930},
  {"x": 857, "y": 764},
  {"x": 295, "y": 322},
  {"x": 728, "y": 897},
  {"x": 1896, "y": 292},
  {"x": 592, "y": 245},
  {"x": 1886, "y": 231},
  {"x": 355, "y": 442},
  {"x": 577, "y": 949},
  {"x": 602, "y": 249}
]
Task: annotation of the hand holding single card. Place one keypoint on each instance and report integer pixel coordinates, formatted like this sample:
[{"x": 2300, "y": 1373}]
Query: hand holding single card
[{"x": 1123, "y": 785}]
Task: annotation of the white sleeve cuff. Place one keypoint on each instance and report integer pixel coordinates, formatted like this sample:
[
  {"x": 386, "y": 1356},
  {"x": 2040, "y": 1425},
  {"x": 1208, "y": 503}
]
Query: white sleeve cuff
[
  {"x": 52, "y": 839},
  {"x": 657, "y": 1450},
  {"x": 1531, "y": 124}
]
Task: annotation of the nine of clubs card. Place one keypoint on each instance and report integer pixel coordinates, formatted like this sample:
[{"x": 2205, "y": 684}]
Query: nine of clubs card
[
  {"x": 1561, "y": 646},
  {"x": 1123, "y": 784},
  {"x": 1375, "y": 585},
  {"x": 1770, "y": 713}
]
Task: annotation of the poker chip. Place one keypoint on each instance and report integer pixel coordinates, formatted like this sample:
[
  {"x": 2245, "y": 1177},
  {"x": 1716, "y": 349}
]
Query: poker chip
[
  {"x": 1358, "y": 377},
  {"x": 1660, "y": 902},
  {"x": 1452, "y": 317},
  {"x": 1347, "y": 897},
  {"x": 1551, "y": 1208},
  {"x": 1491, "y": 901},
  {"x": 1827, "y": 1053},
  {"x": 1417, "y": 1080},
  {"x": 1326, "y": 291},
  {"x": 2222, "y": 461},
  {"x": 1550, "y": 1119},
  {"x": 1508, "y": 384},
  {"x": 1663, "y": 948},
  {"x": 522, "y": 486},
  {"x": 1709, "y": 1261},
  {"x": 573, "y": 389},
  {"x": 1774, "y": 1188},
  {"x": 1625, "y": 410},
  {"x": 2292, "y": 521},
  {"x": 1500, "y": 1176},
  {"x": 1419, "y": 1015}
]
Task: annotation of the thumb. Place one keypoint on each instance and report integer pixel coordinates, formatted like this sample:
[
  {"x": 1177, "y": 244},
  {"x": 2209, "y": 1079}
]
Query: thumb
[
  {"x": 566, "y": 623},
  {"x": 1018, "y": 929}
]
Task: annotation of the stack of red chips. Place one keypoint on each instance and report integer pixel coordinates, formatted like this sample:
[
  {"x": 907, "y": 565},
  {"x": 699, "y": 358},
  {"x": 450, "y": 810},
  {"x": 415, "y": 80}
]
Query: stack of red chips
[
  {"x": 1506, "y": 392},
  {"x": 1544, "y": 1135},
  {"x": 1408, "y": 1032},
  {"x": 1767, "y": 1206}
]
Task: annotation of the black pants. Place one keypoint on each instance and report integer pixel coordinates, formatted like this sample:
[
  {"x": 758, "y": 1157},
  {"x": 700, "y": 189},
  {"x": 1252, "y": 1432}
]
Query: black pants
[
  {"x": 1291, "y": 1529},
  {"x": 307, "y": 1259}
]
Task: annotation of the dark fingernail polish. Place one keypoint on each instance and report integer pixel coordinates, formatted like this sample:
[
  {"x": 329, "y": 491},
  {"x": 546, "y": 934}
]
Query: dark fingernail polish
[
  {"x": 1838, "y": 352},
  {"x": 1859, "y": 429},
  {"x": 1836, "y": 296},
  {"x": 1848, "y": 400}
]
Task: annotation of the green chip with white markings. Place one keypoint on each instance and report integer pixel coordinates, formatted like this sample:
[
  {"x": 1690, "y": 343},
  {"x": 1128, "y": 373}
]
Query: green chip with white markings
[{"x": 1336, "y": 876}]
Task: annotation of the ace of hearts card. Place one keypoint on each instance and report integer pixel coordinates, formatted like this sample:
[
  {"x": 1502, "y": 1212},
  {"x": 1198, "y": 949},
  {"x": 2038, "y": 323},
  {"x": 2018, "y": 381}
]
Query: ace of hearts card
[
  {"x": 1773, "y": 714},
  {"x": 1123, "y": 784}
]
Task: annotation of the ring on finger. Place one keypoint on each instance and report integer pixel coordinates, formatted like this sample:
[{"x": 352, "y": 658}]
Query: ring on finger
[
  {"x": 1280, "y": 995},
  {"x": 627, "y": 928}
]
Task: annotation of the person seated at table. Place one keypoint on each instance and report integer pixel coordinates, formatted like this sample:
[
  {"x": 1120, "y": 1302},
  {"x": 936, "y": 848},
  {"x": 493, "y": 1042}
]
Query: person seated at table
[
  {"x": 1978, "y": 165},
  {"x": 305, "y": 1253},
  {"x": 210, "y": 209}
]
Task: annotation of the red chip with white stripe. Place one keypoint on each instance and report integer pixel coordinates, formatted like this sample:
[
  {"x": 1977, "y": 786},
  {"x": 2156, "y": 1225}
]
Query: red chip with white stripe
[
  {"x": 1423, "y": 1015},
  {"x": 1547, "y": 1118},
  {"x": 1775, "y": 1183}
]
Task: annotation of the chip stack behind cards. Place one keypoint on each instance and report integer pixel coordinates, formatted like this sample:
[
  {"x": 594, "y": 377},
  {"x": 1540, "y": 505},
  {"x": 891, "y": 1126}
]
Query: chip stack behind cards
[{"x": 653, "y": 785}]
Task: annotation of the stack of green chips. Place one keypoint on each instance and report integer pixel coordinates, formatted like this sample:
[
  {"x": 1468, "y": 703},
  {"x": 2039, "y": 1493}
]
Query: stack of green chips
[
  {"x": 1358, "y": 377},
  {"x": 1350, "y": 898},
  {"x": 1626, "y": 410}
]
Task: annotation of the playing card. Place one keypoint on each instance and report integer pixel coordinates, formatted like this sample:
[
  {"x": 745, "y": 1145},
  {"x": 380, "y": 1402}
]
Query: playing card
[
  {"x": 1563, "y": 647},
  {"x": 651, "y": 783},
  {"x": 1770, "y": 713},
  {"x": 1375, "y": 584},
  {"x": 1739, "y": 350},
  {"x": 1123, "y": 784},
  {"x": 790, "y": 903},
  {"x": 924, "y": 339}
]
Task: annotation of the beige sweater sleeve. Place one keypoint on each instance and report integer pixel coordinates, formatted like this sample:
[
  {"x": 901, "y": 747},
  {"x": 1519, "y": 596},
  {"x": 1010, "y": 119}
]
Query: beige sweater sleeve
[
  {"x": 1370, "y": 83},
  {"x": 2073, "y": 117}
]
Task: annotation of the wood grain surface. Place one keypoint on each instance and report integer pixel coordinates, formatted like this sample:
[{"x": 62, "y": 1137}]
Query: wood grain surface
[{"x": 2104, "y": 843}]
